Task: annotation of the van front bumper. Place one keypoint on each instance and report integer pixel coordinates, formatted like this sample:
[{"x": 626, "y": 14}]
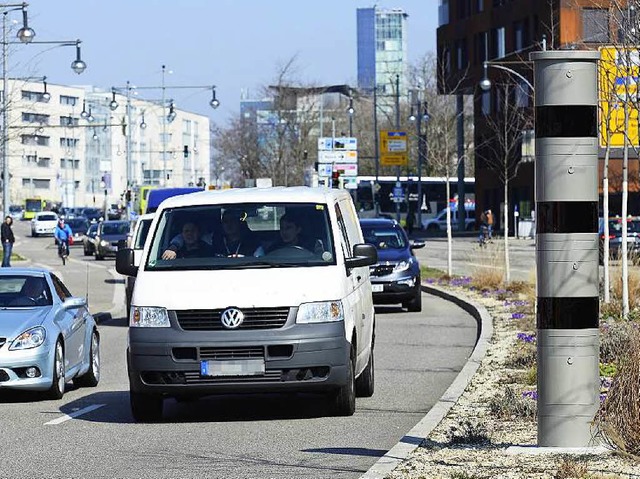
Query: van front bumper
[{"x": 169, "y": 361}]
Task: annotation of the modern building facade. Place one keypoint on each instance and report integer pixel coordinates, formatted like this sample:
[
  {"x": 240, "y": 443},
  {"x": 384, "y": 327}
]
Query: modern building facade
[
  {"x": 68, "y": 146},
  {"x": 503, "y": 33},
  {"x": 382, "y": 49}
]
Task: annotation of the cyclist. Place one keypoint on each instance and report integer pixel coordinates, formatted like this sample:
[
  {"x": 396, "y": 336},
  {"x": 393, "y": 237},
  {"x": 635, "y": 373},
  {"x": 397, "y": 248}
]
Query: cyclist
[{"x": 62, "y": 234}]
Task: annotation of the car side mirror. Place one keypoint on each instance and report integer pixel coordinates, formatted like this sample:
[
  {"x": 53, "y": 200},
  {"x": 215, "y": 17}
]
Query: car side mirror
[
  {"x": 125, "y": 262},
  {"x": 416, "y": 244},
  {"x": 363, "y": 255},
  {"x": 74, "y": 303}
]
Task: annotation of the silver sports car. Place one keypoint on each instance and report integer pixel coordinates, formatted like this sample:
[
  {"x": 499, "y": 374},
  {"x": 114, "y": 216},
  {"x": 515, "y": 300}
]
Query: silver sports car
[{"x": 47, "y": 336}]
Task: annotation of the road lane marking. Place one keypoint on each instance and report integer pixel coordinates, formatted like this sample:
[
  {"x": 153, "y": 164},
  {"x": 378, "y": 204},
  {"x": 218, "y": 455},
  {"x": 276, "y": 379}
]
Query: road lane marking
[{"x": 77, "y": 413}]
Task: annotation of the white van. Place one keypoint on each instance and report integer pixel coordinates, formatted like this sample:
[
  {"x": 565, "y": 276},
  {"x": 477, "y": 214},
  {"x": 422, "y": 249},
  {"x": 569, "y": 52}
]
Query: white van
[
  {"x": 439, "y": 222},
  {"x": 264, "y": 313}
]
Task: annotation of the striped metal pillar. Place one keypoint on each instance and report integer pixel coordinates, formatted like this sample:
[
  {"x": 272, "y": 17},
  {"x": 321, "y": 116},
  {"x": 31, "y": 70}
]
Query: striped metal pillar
[{"x": 566, "y": 176}]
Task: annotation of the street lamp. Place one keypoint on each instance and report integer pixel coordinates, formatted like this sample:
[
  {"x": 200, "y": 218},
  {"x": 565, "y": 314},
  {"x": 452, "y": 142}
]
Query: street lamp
[
  {"x": 351, "y": 111},
  {"x": 485, "y": 83},
  {"x": 419, "y": 113},
  {"x": 25, "y": 35}
]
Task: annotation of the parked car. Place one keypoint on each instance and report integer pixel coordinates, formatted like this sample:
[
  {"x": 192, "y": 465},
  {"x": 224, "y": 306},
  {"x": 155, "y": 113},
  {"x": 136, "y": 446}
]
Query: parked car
[
  {"x": 395, "y": 278},
  {"x": 109, "y": 236},
  {"x": 114, "y": 212},
  {"x": 47, "y": 336},
  {"x": 136, "y": 243},
  {"x": 439, "y": 222},
  {"x": 88, "y": 240},
  {"x": 615, "y": 238},
  {"x": 44, "y": 223}
]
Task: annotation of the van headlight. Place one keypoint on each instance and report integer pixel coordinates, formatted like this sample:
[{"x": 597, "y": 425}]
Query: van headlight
[
  {"x": 31, "y": 338},
  {"x": 402, "y": 266},
  {"x": 322, "y": 312},
  {"x": 149, "y": 317}
]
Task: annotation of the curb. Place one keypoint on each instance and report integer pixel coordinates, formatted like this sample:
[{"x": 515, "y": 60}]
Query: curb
[{"x": 412, "y": 440}]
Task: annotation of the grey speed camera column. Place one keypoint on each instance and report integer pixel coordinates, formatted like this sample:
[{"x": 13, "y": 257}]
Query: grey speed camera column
[{"x": 566, "y": 176}]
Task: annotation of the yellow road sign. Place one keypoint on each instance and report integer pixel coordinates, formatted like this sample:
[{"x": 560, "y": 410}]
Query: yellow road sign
[
  {"x": 394, "y": 148},
  {"x": 618, "y": 83}
]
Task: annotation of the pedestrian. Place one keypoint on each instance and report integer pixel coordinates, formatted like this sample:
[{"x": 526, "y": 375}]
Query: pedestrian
[
  {"x": 6, "y": 233},
  {"x": 484, "y": 229},
  {"x": 410, "y": 220},
  {"x": 489, "y": 224}
]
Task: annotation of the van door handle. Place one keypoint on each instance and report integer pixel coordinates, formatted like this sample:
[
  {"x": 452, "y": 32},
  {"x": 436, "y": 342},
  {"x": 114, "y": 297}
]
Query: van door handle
[{"x": 359, "y": 278}]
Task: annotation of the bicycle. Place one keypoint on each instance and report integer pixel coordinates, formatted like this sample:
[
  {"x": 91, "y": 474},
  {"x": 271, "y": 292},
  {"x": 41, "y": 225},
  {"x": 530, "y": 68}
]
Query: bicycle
[
  {"x": 63, "y": 250},
  {"x": 483, "y": 239}
]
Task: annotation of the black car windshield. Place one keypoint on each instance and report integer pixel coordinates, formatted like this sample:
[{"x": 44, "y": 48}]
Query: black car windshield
[
  {"x": 78, "y": 225},
  {"x": 50, "y": 217},
  {"x": 20, "y": 291},
  {"x": 384, "y": 237},
  {"x": 245, "y": 235}
]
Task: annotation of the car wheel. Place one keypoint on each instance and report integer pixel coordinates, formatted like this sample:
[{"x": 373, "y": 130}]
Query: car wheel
[
  {"x": 98, "y": 256},
  {"x": 344, "y": 399},
  {"x": 366, "y": 381},
  {"x": 414, "y": 305},
  {"x": 146, "y": 407},
  {"x": 34, "y": 234},
  {"x": 57, "y": 387},
  {"x": 86, "y": 251},
  {"x": 91, "y": 378}
]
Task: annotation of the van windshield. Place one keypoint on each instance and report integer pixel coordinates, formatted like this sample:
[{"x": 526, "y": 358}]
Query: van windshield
[{"x": 248, "y": 235}]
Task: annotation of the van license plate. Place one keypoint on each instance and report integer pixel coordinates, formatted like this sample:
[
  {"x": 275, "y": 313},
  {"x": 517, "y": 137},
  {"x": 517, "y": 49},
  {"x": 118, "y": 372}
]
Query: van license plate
[
  {"x": 377, "y": 288},
  {"x": 236, "y": 367}
]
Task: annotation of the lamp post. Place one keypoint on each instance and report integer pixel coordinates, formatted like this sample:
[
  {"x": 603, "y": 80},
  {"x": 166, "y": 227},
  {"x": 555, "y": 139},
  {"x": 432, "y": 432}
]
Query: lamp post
[
  {"x": 419, "y": 113},
  {"x": 25, "y": 36},
  {"x": 168, "y": 115},
  {"x": 351, "y": 111}
]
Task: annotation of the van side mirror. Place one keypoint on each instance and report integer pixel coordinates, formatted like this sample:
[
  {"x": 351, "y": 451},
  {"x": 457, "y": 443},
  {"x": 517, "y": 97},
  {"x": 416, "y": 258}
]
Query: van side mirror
[
  {"x": 125, "y": 262},
  {"x": 363, "y": 255}
]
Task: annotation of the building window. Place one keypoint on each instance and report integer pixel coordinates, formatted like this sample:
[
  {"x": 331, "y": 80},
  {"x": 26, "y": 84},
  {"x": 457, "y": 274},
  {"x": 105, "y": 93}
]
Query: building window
[
  {"x": 461, "y": 54},
  {"x": 33, "y": 96},
  {"x": 35, "y": 118},
  {"x": 443, "y": 12},
  {"x": 39, "y": 184},
  {"x": 69, "y": 121},
  {"x": 522, "y": 94},
  {"x": 595, "y": 25},
  {"x": 35, "y": 140},
  {"x": 481, "y": 47},
  {"x": 479, "y": 6},
  {"x": 520, "y": 35},
  {"x": 68, "y": 100},
  {"x": 501, "y": 49},
  {"x": 69, "y": 164},
  {"x": 68, "y": 142}
]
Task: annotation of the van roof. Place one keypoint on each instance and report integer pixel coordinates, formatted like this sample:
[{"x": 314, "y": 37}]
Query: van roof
[{"x": 276, "y": 194}]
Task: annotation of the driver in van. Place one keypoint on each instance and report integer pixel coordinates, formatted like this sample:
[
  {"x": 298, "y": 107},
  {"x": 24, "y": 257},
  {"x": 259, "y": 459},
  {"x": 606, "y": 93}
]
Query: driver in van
[{"x": 236, "y": 240}]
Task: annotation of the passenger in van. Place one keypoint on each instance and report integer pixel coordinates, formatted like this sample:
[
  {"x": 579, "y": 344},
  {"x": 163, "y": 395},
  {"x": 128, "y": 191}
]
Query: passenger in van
[
  {"x": 292, "y": 235},
  {"x": 236, "y": 239},
  {"x": 190, "y": 246}
]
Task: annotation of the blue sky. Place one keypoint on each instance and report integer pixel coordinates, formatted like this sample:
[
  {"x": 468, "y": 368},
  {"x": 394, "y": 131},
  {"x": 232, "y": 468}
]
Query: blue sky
[{"x": 234, "y": 44}]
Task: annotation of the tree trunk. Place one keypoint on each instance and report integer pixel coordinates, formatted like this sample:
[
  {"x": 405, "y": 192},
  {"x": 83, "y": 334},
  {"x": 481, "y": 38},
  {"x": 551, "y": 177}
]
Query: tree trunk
[{"x": 507, "y": 267}]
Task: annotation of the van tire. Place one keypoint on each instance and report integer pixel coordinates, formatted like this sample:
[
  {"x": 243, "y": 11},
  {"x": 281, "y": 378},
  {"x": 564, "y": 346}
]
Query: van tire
[
  {"x": 146, "y": 407},
  {"x": 344, "y": 399},
  {"x": 365, "y": 384}
]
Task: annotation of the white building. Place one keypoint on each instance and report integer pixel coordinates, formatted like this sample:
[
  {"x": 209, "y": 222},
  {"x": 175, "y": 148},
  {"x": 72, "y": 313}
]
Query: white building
[{"x": 69, "y": 146}]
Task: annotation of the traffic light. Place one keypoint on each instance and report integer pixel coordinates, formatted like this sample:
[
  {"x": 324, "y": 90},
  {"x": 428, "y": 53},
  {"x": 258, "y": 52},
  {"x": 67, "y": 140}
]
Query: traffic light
[
  {"x": 335, "y": 179},
  {"x": 128, "y": 196},
  {"x": 186, "y": 151}
]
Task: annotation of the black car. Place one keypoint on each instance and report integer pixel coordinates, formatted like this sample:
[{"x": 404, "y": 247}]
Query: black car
[
  {"x": 615, "y": 238},
  {"x": 109, "y": 237},
  {"x": 88, "y": 241},
  {"x": 79, "y": 226},
  {"x": 396, "y": 276},
  {"x": 93, "y": 214}
]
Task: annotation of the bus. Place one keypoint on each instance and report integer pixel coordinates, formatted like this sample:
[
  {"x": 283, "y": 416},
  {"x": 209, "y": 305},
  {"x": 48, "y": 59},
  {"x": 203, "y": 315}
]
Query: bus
[
  {"x": 158, "y": 195},
  {"x": 140, "y": 206},
  {"x": 33, "y": 206},
  {"x": 433, "y": 189}
]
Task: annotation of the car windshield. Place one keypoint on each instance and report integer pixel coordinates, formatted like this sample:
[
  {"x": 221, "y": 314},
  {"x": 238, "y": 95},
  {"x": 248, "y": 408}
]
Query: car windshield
[
  {"x": 92, "y": 229},
  {"x": 119, "y": 228},
  {"x": 78, "y": 224},
  {"x": 143, "y": 232},
  {"x": 20, "y": 291},
  {"x": 384, "y": 237},
  {"x": 238, "y": 236},
  {"x": 50, "y": 217}
]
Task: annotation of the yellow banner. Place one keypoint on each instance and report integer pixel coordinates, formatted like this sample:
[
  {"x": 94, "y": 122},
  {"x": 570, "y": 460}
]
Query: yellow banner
[{"x": 618, "y": 83}]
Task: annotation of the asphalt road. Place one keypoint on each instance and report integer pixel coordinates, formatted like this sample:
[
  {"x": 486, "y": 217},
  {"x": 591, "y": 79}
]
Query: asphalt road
[{"x": 90, "y": 432}]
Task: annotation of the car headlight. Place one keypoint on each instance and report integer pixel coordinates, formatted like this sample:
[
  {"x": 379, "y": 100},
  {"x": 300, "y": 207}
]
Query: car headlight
[
  {"x": 104, "y": 243},
  {"x": 149, "y": 317},
  {"x": 322, "y": 312},
  {"x": 31, "y": 338},
  {"x": 402, "y": 266}
]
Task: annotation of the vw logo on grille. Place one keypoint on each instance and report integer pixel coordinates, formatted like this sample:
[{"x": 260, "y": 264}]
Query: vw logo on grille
[{"x": 231, "y": 318}]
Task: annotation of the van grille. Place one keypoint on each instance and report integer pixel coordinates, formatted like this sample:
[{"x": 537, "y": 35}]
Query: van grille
[
  {"x": 193, "y": 377},
  {"x": 254, "y": 318},
  {"x": 232, "y": 353}
]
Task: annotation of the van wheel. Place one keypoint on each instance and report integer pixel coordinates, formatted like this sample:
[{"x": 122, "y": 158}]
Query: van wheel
[
  {"x": 344, "y": 399},
  {"x": 146, "y": 407},
  {"x": 366, "y": 381}
]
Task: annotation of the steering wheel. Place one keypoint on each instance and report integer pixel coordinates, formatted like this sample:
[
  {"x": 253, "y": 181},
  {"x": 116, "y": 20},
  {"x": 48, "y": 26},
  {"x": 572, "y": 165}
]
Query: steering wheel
[{"x": 23, "y": 301}]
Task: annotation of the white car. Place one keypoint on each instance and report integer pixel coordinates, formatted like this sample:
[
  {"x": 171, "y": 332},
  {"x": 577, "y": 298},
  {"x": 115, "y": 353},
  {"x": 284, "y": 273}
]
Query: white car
[{"x": 44, "y": 223}]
